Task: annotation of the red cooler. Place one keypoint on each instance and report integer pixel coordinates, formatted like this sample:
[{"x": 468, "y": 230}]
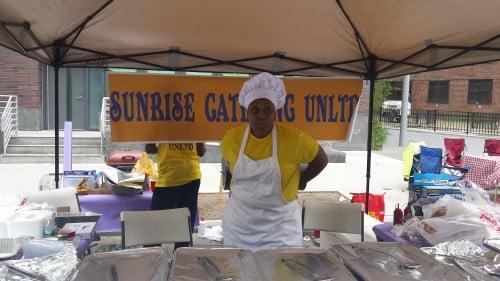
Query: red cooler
[{"x": 123, "y": 160}]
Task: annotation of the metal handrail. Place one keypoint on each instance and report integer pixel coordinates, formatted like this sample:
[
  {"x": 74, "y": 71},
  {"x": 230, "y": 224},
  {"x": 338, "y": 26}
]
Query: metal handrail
[
  {"x": 104, "y": 120},
  {"x": 9, "y": 121}
]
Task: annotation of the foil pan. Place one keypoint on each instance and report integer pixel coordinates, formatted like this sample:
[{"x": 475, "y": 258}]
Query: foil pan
[
  {"x": 231, "y": 264},
  {"x": 469, "y": 257},
  {"x": 301, "y": 264},
  {"x": 395, "y": 262},
  {"x": 55, "y": 267},
  {"x": 145, "y": 264}
]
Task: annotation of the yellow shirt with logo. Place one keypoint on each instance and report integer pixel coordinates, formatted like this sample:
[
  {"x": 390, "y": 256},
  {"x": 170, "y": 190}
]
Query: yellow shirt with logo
[
  {"x": 294, "y": 147},
  {"x": 178, "y": 164}
]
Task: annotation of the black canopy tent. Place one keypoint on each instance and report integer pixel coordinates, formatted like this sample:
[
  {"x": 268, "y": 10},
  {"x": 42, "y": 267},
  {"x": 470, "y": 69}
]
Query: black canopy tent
[{"x": 355, "y": 38}]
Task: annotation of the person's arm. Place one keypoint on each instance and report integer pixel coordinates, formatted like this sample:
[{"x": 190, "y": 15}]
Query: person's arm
[
  {"x": 200, "y": 149},
  {"x": 314, "y": 168},
  {"x": 151, "y": 148}
]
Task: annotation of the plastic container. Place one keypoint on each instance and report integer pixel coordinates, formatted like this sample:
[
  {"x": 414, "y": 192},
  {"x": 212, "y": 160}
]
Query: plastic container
[
  {"x": 9, "y": 247},
  {"x": 28, "y": 223},
  {"x": 50, "y": 227},
  {"x": 39, "y": 248}
]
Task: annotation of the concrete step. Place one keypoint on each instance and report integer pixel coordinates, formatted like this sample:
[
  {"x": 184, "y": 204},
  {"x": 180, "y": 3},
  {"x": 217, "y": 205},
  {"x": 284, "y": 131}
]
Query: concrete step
[
  {"x": 49, "y": 149},
  {"x": 48, "y": 158},
  {"x": 24, "y": 140}
]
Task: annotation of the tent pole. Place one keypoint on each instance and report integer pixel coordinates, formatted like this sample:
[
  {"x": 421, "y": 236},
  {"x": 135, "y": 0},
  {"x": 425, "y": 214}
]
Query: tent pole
[
  {"x": 56, "y": 124},
  {"x": 372, "y": 76}
]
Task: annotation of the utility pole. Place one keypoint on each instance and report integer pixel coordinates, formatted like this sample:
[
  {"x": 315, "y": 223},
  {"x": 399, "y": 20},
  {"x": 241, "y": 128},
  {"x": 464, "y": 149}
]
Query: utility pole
[{"x": 404, "y": 110}]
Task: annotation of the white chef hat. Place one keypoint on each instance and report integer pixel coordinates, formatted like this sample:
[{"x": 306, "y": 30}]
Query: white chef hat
[{"x": 263, "y": 86}]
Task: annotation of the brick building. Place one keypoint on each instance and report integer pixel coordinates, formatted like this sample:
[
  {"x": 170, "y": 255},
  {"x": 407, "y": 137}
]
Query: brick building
[
  {"x": 465, "y": 89},
  {"x": 23, "y": 77},
  {"x": 80, "y": 92}
]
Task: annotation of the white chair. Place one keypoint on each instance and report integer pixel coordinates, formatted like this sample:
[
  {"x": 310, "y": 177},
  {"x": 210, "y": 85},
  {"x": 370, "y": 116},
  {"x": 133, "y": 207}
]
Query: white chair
[
  {"x": 334, "y": 217},
  {"x": 156, "y": 227},
  {"x": 63, "y": 197}
]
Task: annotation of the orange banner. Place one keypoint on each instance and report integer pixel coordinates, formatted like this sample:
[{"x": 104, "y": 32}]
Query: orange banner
[{"x": 161, "y": 108}]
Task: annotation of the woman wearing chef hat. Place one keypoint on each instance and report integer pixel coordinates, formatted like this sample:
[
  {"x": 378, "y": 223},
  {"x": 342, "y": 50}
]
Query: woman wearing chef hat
[{"x": 264, "y": 157}]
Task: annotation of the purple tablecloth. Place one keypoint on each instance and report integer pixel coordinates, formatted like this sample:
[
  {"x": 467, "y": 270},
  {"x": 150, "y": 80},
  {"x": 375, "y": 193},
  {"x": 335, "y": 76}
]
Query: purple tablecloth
[
  {"x": 111, "y": 205},
  {"x": 84, "y": 245},
  {"x": 384, "y": 234}
]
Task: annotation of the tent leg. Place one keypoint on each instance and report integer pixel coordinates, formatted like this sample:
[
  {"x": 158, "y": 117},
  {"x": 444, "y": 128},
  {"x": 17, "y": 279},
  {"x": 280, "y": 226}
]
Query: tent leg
[
  {"x": 372, "y": 77},
  {"x": 56, "y": 125}
]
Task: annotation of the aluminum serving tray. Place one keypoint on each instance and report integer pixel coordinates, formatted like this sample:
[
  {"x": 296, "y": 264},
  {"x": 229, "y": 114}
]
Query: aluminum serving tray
[
  {"x": 395, "y": 262},
  {"x": 476, "y": 260},
  {"x": 231, "y": 264},
  {"x": 297, "y": 264},
  {"x": 145, "y": 264}
]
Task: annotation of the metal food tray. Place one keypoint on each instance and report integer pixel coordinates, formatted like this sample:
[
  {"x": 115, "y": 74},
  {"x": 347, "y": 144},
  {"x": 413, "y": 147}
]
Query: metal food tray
[
  {"x": 193, "y": 264},
  {"x": 372, "y": 261},
  {"x": 299, "y": 264},
  {"x": 145, "y": 264},
  {"x": 493, "y": 243},
  {"x": 63, "y": 218}
]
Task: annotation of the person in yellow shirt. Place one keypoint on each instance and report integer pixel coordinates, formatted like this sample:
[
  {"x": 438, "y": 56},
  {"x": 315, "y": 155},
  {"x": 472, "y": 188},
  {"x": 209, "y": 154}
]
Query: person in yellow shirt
[
  {"x": 178, "y": 176},
  {"x": 264, "y": 159}
]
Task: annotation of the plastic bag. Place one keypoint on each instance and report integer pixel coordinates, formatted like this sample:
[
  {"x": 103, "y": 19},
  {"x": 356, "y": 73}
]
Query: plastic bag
[
  {"x": 376, "y": 204},
  {"x": 146, "y": 166},
  {"x": 475, "y": 195},
  {"x": 437, "y": 231},
  {"x": 448, "y": 206}
]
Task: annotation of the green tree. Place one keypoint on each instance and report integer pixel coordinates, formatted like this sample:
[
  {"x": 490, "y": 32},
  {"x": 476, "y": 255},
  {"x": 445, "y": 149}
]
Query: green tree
[{"x": 383, "y": 89}]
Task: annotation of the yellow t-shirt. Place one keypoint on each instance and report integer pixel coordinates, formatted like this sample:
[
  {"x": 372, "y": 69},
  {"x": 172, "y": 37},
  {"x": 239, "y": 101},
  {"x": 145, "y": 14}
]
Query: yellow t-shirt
[
  {"x": 178, "y": 164},
  {"x": 294, "y": 147}
]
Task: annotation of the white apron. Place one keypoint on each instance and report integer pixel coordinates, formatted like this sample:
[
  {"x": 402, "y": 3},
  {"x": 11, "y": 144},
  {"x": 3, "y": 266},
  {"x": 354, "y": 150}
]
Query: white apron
[{"x": 256, "y": 216}]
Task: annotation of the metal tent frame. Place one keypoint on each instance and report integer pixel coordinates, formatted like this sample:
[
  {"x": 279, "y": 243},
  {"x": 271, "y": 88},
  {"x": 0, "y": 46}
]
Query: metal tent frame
[{"x": 57, "y": 51}]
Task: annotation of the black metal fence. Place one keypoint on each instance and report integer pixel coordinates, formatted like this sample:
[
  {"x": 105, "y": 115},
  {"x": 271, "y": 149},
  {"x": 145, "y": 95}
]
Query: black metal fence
[{"x": 447, "y": 121}]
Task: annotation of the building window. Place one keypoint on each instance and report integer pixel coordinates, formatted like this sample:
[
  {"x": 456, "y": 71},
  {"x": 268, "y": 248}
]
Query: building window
[
  {"x": 480, "y": 91},
  {"x": 397, "y": 90},
  {"x": 438, "y": 92}
]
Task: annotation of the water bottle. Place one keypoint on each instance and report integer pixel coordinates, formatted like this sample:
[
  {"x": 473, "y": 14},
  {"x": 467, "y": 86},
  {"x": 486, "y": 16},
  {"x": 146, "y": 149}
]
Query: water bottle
[{"x": 50, "y": 226}]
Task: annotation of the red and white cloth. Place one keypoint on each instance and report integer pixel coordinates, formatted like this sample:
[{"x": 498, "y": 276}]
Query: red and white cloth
[{"x": 483, "y": 170}]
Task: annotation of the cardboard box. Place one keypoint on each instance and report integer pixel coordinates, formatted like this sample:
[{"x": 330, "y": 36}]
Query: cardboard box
[
  {"x": 438, "y": 191},
  {"x": 85, "y": 230}
]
